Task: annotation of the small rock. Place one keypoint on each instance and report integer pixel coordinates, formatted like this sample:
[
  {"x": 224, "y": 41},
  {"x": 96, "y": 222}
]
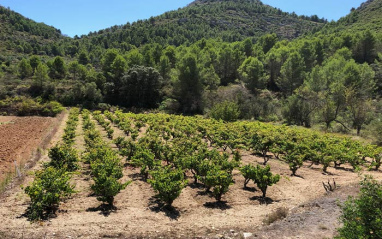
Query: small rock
[
  {"x": 219, "y": 236},
  {"x": 247, "y": 234},
  {"x": 232, "y": 231}
]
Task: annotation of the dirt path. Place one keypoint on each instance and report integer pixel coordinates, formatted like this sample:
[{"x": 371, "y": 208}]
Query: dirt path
[{"x": 313, "y": 213}]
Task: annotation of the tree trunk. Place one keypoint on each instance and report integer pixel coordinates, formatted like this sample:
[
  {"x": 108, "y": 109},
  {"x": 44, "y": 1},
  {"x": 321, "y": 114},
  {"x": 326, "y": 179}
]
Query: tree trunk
[
  {"x": 358, "y": 130},
  {"x": 246, "y": 181}
]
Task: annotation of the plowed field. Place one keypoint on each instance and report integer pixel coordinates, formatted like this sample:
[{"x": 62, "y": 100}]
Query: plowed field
[{"x": 19, "y": 139}]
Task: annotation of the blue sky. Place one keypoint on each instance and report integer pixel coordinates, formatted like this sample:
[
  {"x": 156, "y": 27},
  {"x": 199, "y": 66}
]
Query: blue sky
[{"x": 77, "y": 17}]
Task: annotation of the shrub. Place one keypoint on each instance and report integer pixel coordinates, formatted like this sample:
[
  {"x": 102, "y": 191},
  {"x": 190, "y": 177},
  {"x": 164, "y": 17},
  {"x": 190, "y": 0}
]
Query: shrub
[
  {"x": 48, "y": 189},
  {"x": 249, "y": 173},
  {"x": 63, "y": 157},
  {"x": 52, "y": 108},
  {"x": 94, "y": 154},
  {"x": 265, "y": 178},
  {"x": 262, "y": 143},
  {"x": 362, "y": 216},
  {"x": 145, "y": 159},
  {"x": 168, "y": 183},
  {"x": 106, "y": 172},
  {"x": 219, "y": 180},
  {"x": 226, "y": 111},
  {"x": 110, "y": 132},
  {"x": 294, "y": 160},
  {"x": 280, "y": 213},
  {"x": 24, "y": 106}
]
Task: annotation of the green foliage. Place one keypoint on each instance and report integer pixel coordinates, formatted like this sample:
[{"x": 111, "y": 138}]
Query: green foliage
[
  {"x": 299, "y": 108},
  {"x": 41, "y": 75},
  {"x": 24, "y": 106},
  {"x": 71, "y": 126},
  {"x": 261, "y": 143},
  {"x": 376, "y": 131},
  {"x": 187, "y": 60},
  {"x": 226, "y": 111},
  {"x": 219, "y": 180},
  {"x": 189, "y": 85},
  {"x": 227, "y": 63},
  {"x": 25, "y": 69},
  {"x": 48, "y": 189},
  {"x": 118, "y": 67},
  {"x": 168, "y": 183},
  {"x": 145, "y": 159},
  {"x": 57, "y": 69},
  {"x": 252, "y": 73},
  {"x": 292, "y": 74},
  {"x": 51, "y": 108},
  {"x": 83, "y": 58},
  {"x": 141, "y": 87},
  {"x": 106, "y": 172},
  {"x": 34, "y": 61},
  {"x": 362, "y": 216},
  {"x": 206, "y": 19},
  {"x": 74, "y": 68},
  {"x": 265, "y": 178},
  {"x": 249, "y": 173},
  {"x": 295, "y": 159},
  {"x": 63, "y": 157}
]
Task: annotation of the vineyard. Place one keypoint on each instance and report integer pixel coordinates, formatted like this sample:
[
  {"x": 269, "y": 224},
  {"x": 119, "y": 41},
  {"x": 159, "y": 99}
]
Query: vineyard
[{"x": 118, "y": 174}]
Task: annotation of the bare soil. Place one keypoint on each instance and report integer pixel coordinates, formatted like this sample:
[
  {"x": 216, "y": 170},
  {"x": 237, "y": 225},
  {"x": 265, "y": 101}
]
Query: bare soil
[
  {"x": 312, "y": 212},
  {"x": 19, "y": 139}
]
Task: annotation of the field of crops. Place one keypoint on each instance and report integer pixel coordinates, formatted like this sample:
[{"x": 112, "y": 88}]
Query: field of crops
[{"x": 122, "y": 174}]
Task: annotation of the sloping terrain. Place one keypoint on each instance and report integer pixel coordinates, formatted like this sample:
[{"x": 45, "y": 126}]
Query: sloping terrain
[
  {"x": 231, "y": 21},
  {"x": 20, "y": 35},
  {"x": 366, "y": 17}
]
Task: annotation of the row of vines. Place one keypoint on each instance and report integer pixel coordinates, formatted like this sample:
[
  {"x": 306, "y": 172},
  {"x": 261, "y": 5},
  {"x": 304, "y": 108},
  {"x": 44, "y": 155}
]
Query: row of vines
[
  {"x": 162, "y": 145},
  {"x": 51, "y": 184},
  {"x": 291, "y": 144},
  {"x": 170, "y": 150}
]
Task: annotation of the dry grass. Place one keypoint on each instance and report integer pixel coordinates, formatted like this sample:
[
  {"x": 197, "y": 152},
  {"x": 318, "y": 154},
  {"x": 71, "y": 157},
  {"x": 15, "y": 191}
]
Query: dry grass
[{"x": 279, "y": 214}]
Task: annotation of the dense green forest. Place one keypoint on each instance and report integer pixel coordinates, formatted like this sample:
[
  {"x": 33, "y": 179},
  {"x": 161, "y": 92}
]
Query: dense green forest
[{"x": 237, "y": 59}]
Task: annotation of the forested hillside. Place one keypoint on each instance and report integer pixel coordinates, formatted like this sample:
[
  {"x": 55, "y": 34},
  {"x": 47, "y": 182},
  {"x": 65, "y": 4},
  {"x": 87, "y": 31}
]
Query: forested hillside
[
  {"x": 25, "y": 36},
  {"x": 225, "y": 59},
  {"x": 366, "y": 17},
  {"x": 228, "y": 20}
]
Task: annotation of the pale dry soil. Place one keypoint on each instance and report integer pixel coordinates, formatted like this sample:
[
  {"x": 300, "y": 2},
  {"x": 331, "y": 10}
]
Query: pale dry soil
[{"x": 312, "y": 212}]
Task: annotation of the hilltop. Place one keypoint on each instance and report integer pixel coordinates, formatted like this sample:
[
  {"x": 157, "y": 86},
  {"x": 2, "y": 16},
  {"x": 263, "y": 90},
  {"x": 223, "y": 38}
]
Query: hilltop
[
  {"x": 20, "y": 35},
  {"x": 230, "y": 21}
]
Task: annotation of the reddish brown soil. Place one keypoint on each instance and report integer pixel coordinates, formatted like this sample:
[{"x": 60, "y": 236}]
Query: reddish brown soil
[
  {"x": 312, "y": 212},
  {"x": 19, "y": 139}
]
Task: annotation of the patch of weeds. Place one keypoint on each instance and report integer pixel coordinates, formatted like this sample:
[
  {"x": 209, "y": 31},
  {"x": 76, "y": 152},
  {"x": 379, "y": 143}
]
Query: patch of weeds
[
  {"x": 279, "y": 214},
  {"x": 3, "y": 183},
  {"x": 323, "y": 227}
]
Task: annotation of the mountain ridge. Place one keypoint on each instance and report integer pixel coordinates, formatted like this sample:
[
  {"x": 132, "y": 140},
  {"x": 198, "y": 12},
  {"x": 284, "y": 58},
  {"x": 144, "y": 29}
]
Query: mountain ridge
[{"x": 231, "y": 21}]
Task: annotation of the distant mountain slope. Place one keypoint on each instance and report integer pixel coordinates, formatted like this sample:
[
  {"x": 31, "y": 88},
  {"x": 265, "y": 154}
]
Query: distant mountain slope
[
  {"x": 366, "y": 17},
  {"x": 20, "y": 35},
  {"x": 231, "y": 20}
]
